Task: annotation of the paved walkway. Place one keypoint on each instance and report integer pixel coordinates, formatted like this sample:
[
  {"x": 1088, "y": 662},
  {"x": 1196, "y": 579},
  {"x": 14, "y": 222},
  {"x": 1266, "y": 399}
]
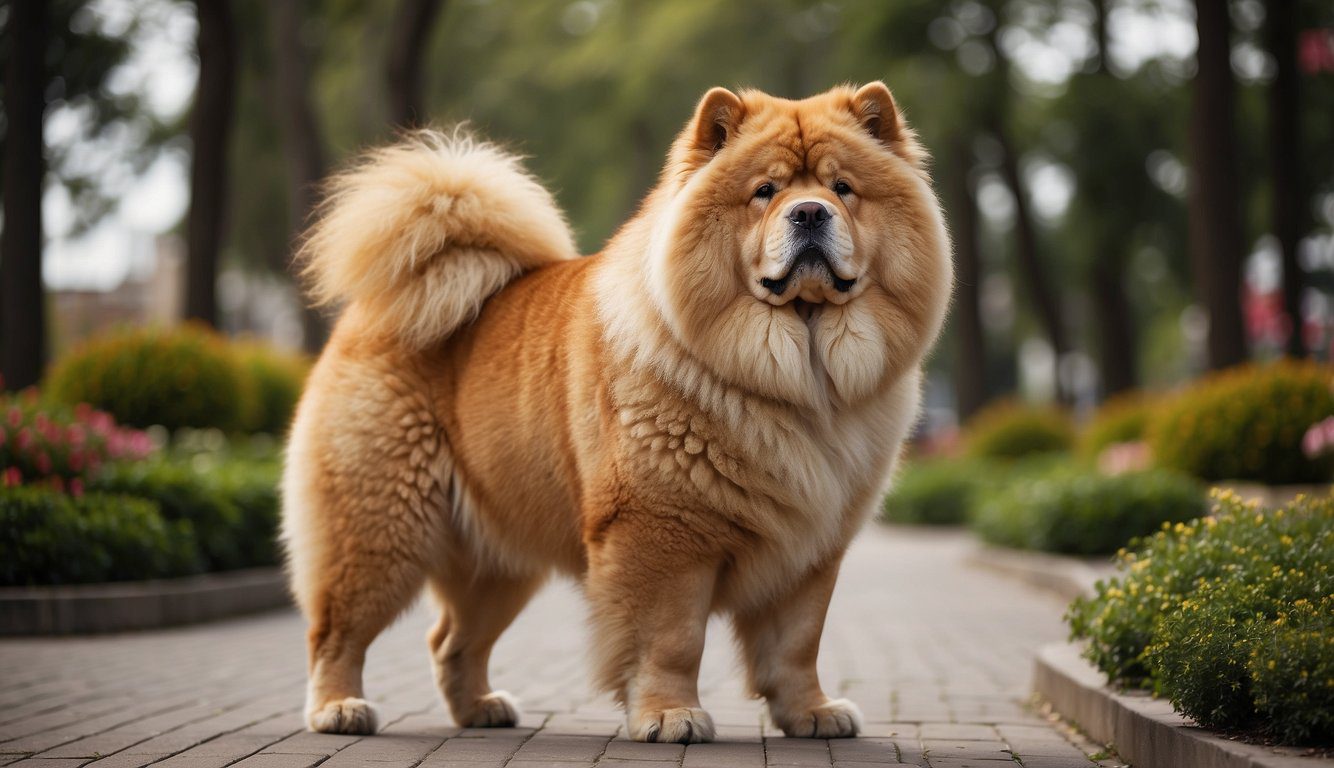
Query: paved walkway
[{"x": 938, "y": 655}]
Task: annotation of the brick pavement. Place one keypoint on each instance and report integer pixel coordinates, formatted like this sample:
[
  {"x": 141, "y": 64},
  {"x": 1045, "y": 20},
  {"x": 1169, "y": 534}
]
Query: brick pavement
[{"x": 937, "y": 655}]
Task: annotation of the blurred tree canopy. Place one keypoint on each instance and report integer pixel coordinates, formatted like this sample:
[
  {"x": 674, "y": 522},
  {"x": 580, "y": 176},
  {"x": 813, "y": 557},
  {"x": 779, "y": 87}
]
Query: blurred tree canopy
[{"x": 1060, "y": 141}]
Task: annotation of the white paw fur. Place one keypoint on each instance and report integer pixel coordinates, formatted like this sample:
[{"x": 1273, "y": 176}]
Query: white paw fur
[
  {"x": 682, "y": 725},
  {"x": 835, "y": 719},
  {"x": 350, "y": 716},
  {"x": 497, "y": 709}
]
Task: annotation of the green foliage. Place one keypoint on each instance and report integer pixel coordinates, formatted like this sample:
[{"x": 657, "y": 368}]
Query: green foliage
[
  {"x": 232, "y": 506},
  {"x": 47, "y": 537},
  {"x": 936, "y": 492},
  {"x": 1247, "y": 423},
  {"x": 1084, "y": 513},
  {"x": 1292, "y": 673},
  {"x": 1231, "y": 616},
  {"x": 1010, "y": 430},
  {"x": 182, "y": 377},
  {"x": 274, "y": 382},
  {"x": 1121, "y": 419}
]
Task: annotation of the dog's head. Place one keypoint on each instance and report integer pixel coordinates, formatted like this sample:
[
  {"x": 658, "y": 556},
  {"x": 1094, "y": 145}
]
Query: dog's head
[{"x": 796, "y": 246}]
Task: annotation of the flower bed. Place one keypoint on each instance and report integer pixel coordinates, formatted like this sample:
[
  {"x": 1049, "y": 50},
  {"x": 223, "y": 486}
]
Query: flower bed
[{"x": 1230, "y": 616}]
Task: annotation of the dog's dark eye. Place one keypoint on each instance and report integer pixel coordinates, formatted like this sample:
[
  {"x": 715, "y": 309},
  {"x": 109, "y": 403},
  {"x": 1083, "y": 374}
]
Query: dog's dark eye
[
  {"x": 765, "y": 191},
  {"x": 842, "y": 188}
]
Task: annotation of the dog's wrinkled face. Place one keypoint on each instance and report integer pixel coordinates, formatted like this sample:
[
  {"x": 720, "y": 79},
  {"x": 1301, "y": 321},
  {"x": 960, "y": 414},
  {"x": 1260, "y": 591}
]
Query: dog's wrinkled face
[{"x": 797, "y": 247}]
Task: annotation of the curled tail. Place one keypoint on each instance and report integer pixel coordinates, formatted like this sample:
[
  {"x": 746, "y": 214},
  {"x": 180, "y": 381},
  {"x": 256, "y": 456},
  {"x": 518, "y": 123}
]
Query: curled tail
[{"x": 420, "y": 233}]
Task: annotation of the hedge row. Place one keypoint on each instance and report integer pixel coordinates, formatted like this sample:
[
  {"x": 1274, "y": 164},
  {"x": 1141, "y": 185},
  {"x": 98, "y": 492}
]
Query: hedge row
[
  {"x": 182, "y": 377},
  {"x": 152, "y": 519},
  {"x": 1230, "y": 616}
]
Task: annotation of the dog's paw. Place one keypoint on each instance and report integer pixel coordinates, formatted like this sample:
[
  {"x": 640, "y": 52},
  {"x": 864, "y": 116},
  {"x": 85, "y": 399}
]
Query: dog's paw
[
  {"x": 497, "y": 709},
  {"x": 350, "y": 716},
  {"x": 834, "y": 719},
  {"x": 682, "y": 725}
]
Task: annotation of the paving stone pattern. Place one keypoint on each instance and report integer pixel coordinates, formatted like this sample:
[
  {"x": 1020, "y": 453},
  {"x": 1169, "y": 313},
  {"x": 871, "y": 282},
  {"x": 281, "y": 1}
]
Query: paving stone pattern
[{"x": 937, "y": 654}]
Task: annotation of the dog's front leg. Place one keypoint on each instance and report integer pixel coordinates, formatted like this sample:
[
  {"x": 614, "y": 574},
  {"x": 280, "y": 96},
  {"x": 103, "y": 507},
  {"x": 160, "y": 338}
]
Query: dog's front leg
[
  {"x": 780, "y": 641},
  {"x": 651, "y": 590}
]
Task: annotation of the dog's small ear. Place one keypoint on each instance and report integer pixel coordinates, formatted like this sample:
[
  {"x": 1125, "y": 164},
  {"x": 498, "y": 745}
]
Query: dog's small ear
[
  {"x": 874, "y": 107},
  {"x": 716, "y": 119}
]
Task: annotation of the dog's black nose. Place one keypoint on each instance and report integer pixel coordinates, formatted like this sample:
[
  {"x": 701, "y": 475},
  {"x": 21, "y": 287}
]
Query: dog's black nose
[{"x": 809, "y": 215}]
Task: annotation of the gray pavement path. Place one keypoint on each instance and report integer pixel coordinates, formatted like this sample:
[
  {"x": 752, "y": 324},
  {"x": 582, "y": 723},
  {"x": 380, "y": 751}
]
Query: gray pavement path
[{"x": 937, "y": 654}]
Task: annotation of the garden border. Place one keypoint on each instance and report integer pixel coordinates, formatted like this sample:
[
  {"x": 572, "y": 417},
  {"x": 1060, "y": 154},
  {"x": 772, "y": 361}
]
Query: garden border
[
  {"x": 1143, "y": 730},
  {"x": 1067, "y": 576},
  {"x": 135, "y": 605}
]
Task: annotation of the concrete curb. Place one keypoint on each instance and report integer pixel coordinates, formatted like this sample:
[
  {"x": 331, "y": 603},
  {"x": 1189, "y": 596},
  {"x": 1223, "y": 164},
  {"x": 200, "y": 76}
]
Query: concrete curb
[
  {"x": 1068, "y": 577},
  {"x": 1143, "y": 730},
  {"x": 128, "y": 606}
]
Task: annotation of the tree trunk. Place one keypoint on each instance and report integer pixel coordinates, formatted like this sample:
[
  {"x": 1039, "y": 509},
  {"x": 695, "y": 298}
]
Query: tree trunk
[
  {"x": 22, "y": 322},
  {"x": 970, "y": 370},
  {"x": 1213, "y": 209},
  {"x": 1117, "y": 361},
  {"x": 1117, "y": 355},
  {"x": 1285, "y": 159},
  {"x": 408, "y": 36},
  {"x": 303, "y": 142},
  {"x": 1031, "y": 265},
  {"x": 210, "y": 128}
]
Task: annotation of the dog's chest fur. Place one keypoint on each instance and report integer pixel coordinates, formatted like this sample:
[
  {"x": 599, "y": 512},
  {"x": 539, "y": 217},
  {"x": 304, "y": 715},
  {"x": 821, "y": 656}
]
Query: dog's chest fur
[{"x": 794, "y": 486}]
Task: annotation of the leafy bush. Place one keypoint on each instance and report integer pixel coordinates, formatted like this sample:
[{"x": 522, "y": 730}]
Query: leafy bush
[
  {"x": 936, "y": 492},
  {"x": 1122, "y": 419},
  {"x": 274, "y": 380},
  {"x": 1009, "y": 430},
  {"x": 1084, "y": 513},
  {"x": 1230, "y": 616},
  {"x": 232, "y": 507},
  {"x": 1247, "y": 423},
  {"x": 47, "y": 537},
  {"x": 60, "y": 447},
  {"x": 183, "y": 377}
]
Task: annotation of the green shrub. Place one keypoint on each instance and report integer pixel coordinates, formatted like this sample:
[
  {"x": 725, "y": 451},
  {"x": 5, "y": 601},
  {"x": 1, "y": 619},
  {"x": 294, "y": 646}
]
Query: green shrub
[
  {"x": 1292, "y": 673},
  {"x": 1122, "y": 419},
  {"x": 1083, "y": 513},
  {"x": 274, "y": 382},
  {"x": 232, "y": 508},
  {"x": 47, "y": 537},
  {"x": 1009, "y": 430},
  {"x": 183, "y": 377},
  {"x": 935, "y": 492},
  {"x": 1247, "y": 423},
  {"x": 1230, "y": 616}
]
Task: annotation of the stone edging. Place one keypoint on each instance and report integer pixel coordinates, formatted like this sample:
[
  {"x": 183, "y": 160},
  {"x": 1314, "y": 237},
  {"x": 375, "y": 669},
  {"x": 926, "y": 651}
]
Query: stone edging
[
  {"x": 134, "y": 605},
  {"x": 1068, "y": 577},
  {"x": 1143, "y": 730}
]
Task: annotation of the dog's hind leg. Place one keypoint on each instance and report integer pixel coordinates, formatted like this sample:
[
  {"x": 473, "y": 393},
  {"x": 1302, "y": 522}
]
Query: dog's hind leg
[
  {"x": 475, "y": 609},
  {"x": 362, "y": 523},
  {"x": 363, "y": 592}
]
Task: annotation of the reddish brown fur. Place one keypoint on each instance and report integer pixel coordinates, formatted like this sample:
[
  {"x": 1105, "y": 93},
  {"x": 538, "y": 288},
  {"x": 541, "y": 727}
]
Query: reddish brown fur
[{"x": 647, "y": 420}]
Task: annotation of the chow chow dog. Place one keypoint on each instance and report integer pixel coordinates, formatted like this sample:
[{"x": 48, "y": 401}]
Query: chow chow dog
[{"x": 696, "y": 420}]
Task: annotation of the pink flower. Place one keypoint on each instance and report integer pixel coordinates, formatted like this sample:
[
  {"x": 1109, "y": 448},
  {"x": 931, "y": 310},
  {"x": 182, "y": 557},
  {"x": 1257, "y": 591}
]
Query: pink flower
[
  {"x": 13, "y": 477},
  {"x": 76, "y": 487},
  {"x": 15, "y": 417},
  {"x": 1319, "y": 438},
  {"x": 24, "y": 439},
  {"x": 43, "y": 463}
]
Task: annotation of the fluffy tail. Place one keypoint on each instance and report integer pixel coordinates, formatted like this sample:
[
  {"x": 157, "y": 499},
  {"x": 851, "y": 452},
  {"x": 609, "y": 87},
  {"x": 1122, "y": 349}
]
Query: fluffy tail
[{"x": 420, "y": 233}]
